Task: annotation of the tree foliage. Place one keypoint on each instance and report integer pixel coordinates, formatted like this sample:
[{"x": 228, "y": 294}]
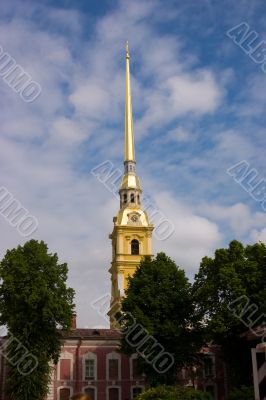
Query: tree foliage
[
  {"x": 227, "y": 289},
  {"x": 35, "y": 305},
  {"x": 159, "y": 298},
  {"x": 243, "y": 393},
  {"x": 173, "y": 393}
]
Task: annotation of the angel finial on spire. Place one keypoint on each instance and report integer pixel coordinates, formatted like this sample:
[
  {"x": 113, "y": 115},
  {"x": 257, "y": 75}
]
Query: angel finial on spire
[{"x": 127, "y": 50}]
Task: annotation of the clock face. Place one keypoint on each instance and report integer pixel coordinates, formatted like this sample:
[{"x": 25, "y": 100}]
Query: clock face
[{"x": 134, "y": 218}]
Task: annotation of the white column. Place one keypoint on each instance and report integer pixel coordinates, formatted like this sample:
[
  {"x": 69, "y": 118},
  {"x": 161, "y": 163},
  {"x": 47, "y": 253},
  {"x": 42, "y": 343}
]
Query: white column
[
  {"x": 120, "y": 279},
  {"x": 255, "y": 374}
]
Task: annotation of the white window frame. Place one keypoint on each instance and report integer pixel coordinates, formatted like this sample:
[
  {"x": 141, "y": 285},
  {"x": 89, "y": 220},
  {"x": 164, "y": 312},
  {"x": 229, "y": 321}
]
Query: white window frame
[
  {"x": 113, "y": 387},
  {"x": 65, "y": 355},
  {"x": 89, "y": 356},
  {"x": 134, "y": 387},
  {"x": 116, "y": 356},
  {"x": 91, "y": 387}
]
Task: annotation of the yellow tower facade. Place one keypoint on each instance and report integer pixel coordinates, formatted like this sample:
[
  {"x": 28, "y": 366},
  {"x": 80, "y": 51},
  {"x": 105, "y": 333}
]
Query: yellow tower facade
[{"x": 132, "y": 232}]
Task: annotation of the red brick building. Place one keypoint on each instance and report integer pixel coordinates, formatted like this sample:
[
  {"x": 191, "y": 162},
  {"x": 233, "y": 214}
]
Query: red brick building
[
  {"x": 90, "y": 362},
  {"x": 210, "y": 376}
]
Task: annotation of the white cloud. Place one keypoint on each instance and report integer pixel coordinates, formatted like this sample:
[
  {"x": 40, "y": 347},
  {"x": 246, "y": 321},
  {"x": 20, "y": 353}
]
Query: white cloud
[
  {"x": 178, "y": 134},
  {"x": 67, "y": 131},
  {"x": 257, "y": 235},
  {"x": 199, "y": 94},
  {"x": 239, "y": 217},
  {"x": 194, "y": 235},
  {"x": 179, "y": 95},
  {"x": 91, "y": 99}
]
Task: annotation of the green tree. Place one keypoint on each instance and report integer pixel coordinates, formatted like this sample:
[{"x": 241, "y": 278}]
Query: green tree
[
  {"x": 243, "y": 393},
  {"x": 224, "y": 286},
  {"x": 35, "y": 305},
  {"x": 159, "y": 299},
  {"x": 173, "y": 393}
]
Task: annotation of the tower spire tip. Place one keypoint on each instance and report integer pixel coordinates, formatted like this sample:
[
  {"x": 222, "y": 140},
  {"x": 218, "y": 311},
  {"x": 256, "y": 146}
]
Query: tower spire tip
[
  {"x": 129, "y": 135},
  {"x": 127, "y": 50}
]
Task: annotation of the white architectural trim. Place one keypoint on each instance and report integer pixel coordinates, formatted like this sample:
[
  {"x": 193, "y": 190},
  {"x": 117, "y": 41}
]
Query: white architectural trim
[
  {"x": 65, "y": 355},
  {"x": 255, "y": 374},
  {"x": 113, "y": 387},
  {"x": 89, "y": 356},
  {"x": 4, "y": 376},
  {"x": 50, "y": 395},
  {"x": 258, "y": 373},
  {"x": 117, "y": 356},
  {"x": 120, "y": 282}
]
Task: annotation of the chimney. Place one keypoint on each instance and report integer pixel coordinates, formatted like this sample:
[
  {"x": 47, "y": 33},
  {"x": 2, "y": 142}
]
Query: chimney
[{"x": 74, "y": 321}]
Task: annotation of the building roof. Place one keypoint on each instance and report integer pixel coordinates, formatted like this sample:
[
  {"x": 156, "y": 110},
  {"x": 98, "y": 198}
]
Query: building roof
[
  {"x": 83, "y": 333},
  {"x": 101, "y": 334}
]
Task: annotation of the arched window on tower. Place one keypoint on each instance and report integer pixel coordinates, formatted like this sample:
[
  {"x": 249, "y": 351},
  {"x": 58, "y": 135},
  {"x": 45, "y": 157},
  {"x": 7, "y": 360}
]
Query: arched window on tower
[
  {"x": 125, "y": 198},
  {"x": 132, "y": 198},
  {"x": 134, "y": 247},
  {"x": 138, "y": 199}
]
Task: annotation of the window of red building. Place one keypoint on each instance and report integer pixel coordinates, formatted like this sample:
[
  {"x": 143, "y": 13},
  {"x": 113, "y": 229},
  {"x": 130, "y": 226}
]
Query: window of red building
[
  {"x": 136, "y": 391},
  {"x": 65, "y": 369},
  {"x": 113, "y": 394},
  {"x": 208, "y": 367},
  {"x": 64, "y": 394},
  {"x": 113, "y": 369},
  {"x": 136, "y": 374},
  {"x": 89, "y": 369},
  {"x": 210, "y": 389},
  {"x": 91, "y": 393}
]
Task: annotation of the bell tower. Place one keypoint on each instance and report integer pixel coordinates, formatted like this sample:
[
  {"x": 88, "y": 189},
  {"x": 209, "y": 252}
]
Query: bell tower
[{"x": 132, "y": 232}]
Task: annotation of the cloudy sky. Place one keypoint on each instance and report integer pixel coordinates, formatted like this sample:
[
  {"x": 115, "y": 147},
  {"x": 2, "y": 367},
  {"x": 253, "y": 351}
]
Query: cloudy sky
[{"x": 199, "y": 108}]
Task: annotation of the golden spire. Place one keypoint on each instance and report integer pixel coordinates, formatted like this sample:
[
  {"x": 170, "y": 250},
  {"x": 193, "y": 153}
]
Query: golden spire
[{"x": 129, "y": 133}]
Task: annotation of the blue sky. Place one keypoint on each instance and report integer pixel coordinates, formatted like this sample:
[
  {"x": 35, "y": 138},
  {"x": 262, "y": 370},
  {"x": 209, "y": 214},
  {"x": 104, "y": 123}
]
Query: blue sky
[{"x": 199, "y": 108}]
